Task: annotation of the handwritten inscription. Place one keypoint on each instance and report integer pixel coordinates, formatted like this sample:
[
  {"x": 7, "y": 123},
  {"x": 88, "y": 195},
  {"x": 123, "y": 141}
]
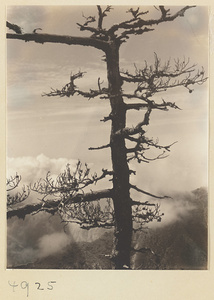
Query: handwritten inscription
[{"x": 24, "y": 285}]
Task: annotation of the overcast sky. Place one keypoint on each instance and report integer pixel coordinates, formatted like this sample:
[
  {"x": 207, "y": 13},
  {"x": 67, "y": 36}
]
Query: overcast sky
[{"x": 47, "y": 132}]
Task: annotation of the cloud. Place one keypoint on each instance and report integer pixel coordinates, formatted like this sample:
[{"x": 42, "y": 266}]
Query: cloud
[
  {"x": 56, "y": 242},
  {"x": 33, "y": 168},
  {"x": 24, "y": 237},
  {"x": 40, "y": 235},
  {"x": 53, "y": 243},
  {"x": 177, "y": 208}
]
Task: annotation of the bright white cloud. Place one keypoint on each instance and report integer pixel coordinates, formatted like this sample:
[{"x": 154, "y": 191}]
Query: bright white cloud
[{"x": 34, "y": 168}]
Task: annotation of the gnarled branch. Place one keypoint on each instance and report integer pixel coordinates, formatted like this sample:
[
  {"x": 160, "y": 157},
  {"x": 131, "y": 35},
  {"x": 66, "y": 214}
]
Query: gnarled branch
[
  {"x": 157, "y": 78},
  {"x": 143, "y": 144},
  {"x": 71, "y": 89},
  {"x": 12, "y": 183},
  {"x": 52, "y": 206},
  {"x": 62, "y": 39},
  {"x": 67, "y": 185},
  {"x": 89, "y": 214},
  {"x": 137, "y": 22},
  {"x": 138, "y": 128}
]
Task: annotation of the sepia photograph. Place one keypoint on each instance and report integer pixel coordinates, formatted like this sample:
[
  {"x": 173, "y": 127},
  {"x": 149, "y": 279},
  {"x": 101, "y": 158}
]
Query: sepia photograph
[{"x": 107, "y": 139}]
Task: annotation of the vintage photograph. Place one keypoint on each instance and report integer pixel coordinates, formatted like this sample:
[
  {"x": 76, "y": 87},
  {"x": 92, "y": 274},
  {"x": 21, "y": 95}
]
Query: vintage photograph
[{"x": 107, "y": 137}]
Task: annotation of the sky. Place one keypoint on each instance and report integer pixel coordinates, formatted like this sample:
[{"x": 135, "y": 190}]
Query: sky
[
  {"x": 44, "y": 134},
  {"x": 63, "y": 129}
]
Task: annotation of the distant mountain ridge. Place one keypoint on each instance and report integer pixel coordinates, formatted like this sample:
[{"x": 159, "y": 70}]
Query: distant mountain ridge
[{"x": 181, "y": 245}]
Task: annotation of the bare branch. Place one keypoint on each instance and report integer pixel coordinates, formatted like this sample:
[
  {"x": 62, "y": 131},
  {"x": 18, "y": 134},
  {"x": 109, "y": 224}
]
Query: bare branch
[
  {"x": 158, "y": 78},
  {"x": 165, "y": 12},
  {"x": 96, "y": 33},
  {"x": 138, "y": 22},
  {"x": 138, "y": 128},
  {"x": 67, "y": 185},
  {"x": 140, "y": 157},
  {"x": 142, "y": 203},
  {"x": 135, "y": 96},
  {"x": 18, "y": 197},
  {"x": 14, "y": 27},
  {"x": 102, "y": 14},
  {"x": 152, "y": 104},
  {"x": 126, "y": 33},
  {"x": 62, "y": 39},
  {"x": 147, "y": 193},
  {"x": 142, "y": 215},
  {"x": 105, "y": 119},
  {"x": 136, "y": 106},
  {"x": 13, "y": 182},
  {"x": 141, "y": 140},
  {"x": 99, "y": 148},
  {"x": 89, "y": 19},
  {"x": 89, "y": 215},
  {"x": 52, "y": 206},
  {"x": 150, "y": 142},
  {"x": 71, "y": 89},
  {"x": 142, "y": 144},
  {"x": 136, "y": 13}
]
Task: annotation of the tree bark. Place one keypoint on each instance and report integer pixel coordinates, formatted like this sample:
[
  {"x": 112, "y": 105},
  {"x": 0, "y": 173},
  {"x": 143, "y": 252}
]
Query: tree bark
[{"x": 121, "y": 195}]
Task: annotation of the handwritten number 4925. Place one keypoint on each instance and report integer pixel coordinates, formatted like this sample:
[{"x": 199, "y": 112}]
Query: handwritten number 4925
[{"x": 25, "y": 285}]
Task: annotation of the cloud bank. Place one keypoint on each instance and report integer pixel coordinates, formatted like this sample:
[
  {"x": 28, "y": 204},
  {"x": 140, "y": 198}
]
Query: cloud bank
[{"x": 33, "y": 168}]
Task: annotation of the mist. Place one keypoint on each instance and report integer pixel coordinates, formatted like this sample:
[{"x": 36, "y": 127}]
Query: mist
[{"x": 41, "y": 235}]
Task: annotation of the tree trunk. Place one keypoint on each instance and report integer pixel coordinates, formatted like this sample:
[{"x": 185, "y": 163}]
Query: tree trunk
[{"x": 121, "y": 195}]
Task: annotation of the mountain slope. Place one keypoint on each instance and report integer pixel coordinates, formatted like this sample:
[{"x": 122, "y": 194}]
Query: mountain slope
[{"x": 179, "y": 244}]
